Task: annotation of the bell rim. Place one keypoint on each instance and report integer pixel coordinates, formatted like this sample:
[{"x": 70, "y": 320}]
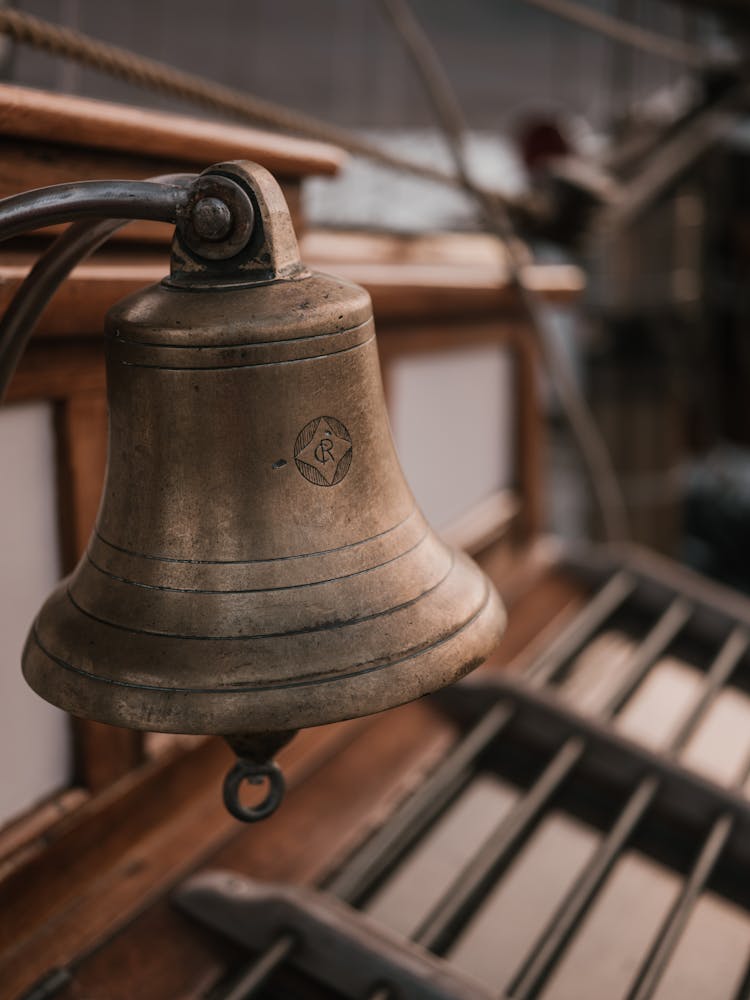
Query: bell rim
[{"x": 298, "y": 704}]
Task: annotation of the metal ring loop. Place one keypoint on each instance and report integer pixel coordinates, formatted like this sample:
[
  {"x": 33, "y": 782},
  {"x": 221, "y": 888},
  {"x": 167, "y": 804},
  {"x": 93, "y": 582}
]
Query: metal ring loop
[{"x": 255, "y": 773}]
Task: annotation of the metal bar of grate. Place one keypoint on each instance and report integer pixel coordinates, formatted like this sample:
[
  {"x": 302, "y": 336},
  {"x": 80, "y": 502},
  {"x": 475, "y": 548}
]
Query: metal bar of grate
[
  {"x": 647, "y": 979},
  {"x": 403, "y": 829},
  {"x": 657, "y": 640},
  {"x": 663, "y": 947},
  {"x": 475, "y": 878},
  {"x": 602, "y": 606},
  {"x": 388, "y": 846},
  {"x": 545, "y": 954},
  {"x": 717, "y": 675},
  {"x": 389, "y": 843},
  {"x": 479, "y": 874},
  {"x": 548, "y": 949},
  {"x": 418, "y": 812},
  {"x": 258, "y": 972}
]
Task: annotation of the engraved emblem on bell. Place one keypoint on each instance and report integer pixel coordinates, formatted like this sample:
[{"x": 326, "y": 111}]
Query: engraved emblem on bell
[{"x": 323, "y": 451}]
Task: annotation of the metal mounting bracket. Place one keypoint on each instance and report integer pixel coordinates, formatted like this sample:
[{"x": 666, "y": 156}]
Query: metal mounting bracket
[{"x": 337, "y": 945}]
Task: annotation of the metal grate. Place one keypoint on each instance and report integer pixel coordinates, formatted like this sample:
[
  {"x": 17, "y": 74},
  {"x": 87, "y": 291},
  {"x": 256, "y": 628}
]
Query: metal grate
[{"x": 565, "y": 750}]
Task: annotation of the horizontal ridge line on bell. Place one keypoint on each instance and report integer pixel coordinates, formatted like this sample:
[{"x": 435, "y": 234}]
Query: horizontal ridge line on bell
[
  {"x": 116, "y": 338},
  {"x": 368, "y": 667},
  {"x": 254, "y": 562},
  {"x": 260, "y": 590},
  {"x": 259, "y": 364},
  {"x": 329, "y": 626}
]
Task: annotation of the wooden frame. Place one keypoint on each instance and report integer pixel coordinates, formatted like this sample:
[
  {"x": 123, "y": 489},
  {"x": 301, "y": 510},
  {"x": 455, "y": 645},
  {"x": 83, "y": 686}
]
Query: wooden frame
[{"x": 71, "y": 375}]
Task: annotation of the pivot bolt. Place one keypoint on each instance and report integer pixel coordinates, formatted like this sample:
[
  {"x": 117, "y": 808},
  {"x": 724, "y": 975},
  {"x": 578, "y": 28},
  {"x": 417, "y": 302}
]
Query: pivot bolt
[{"x": 212, "y": 219}]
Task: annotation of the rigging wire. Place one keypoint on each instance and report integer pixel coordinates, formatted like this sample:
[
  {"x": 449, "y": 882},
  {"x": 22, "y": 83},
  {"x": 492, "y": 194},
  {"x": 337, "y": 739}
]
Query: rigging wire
[
  {"x": 603, "y": 480},
  {"x": 154, "y": 75},
  {"x": 687, "y": 54}
]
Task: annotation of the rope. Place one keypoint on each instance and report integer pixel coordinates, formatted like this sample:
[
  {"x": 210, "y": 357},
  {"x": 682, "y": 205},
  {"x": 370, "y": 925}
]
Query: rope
[
  {"x": 596, "y": 457},
  {"x": 157, "y": 76},
  {"x": 692, "y": 56},
  {"x": 154, "y": 75}
]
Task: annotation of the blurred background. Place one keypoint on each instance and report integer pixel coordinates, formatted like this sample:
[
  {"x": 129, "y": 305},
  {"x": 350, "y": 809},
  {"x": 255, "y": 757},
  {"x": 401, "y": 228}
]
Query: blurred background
[
  {"x": 625, "y": 161},
  {"x": 558, "y": 253},
  {"x": 656, "y": 340}
]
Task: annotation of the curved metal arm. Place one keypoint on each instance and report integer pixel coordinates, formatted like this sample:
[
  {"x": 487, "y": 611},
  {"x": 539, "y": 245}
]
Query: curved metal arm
[
  {"x": 216, "y": 222},
  {"x": 166, "y": 195},
  {"x": 98, "y": 199}
]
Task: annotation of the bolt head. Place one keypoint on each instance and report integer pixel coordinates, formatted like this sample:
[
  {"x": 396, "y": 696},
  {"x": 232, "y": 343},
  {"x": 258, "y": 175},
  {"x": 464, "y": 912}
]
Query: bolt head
[{"x": 211, "y": 219}]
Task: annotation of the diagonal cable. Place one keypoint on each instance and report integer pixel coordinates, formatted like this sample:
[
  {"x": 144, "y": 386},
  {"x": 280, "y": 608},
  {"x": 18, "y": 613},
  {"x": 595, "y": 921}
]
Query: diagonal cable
[
  {"x": 692, "y": 56},
  {"x": 603, "y": 480}
]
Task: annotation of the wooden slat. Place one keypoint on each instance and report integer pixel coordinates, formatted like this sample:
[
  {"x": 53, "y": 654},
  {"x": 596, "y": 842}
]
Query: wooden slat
[
  {"x": 413, "y": 301},
  {"x": 26, "y": 164},
  {"x": 433, "y": 276},
  {"x": 80, "y": 121},
  {"x": 80, "y": 305},
  {"x": 53, "y": 371},
  {"x": 410, "y": 338},
  {"x": 17, "y": 836}
]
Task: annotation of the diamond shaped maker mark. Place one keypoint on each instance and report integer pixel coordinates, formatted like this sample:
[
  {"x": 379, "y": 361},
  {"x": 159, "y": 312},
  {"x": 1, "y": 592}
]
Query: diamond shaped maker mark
[{"x": 323, "y": 451}]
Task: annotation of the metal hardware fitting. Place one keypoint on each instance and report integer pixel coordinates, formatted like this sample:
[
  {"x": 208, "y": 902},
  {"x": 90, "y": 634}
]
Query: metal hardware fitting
[
  {"x": 335, "y": 944},
  {"x": 255, "y": 774},
  {"x": 217, "y": 218}
]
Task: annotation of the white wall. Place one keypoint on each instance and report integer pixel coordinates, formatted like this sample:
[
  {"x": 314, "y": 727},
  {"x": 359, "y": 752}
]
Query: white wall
[
  {"x": 452, "y": 418},
  {"x": 35, "y": 744}
]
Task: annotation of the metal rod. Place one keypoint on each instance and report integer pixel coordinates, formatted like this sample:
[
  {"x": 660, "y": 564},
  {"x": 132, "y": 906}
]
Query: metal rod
[
  {"x": 537, "y": 966},
  {"x": 476, "y": 877},
  {"x": 718, "y": 674},
  {"x": 657, "y": 640},
  {"x": 94, "y": 199},
  {"x": 655, "y": 964},
  {"x": 611, "y": 596},
  {"x": 51, "y": 269},
  {"x": 407, "y": 824},
  {"x": 543, "y": 957},
  {"x": 471, "y": 881},
  {"x": 391, "y": 841},
  {"x": 259, "y": 971},
  {"x": 40, "y": 284},
  {"x": 662, "y": 949}
]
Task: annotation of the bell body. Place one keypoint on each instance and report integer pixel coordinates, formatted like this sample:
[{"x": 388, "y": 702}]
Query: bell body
[{"x": 258, "y": 563}]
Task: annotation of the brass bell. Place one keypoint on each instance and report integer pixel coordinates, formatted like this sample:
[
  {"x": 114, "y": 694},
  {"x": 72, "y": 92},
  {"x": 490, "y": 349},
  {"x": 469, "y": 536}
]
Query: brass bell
[{"x": 258, "y": 562}]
